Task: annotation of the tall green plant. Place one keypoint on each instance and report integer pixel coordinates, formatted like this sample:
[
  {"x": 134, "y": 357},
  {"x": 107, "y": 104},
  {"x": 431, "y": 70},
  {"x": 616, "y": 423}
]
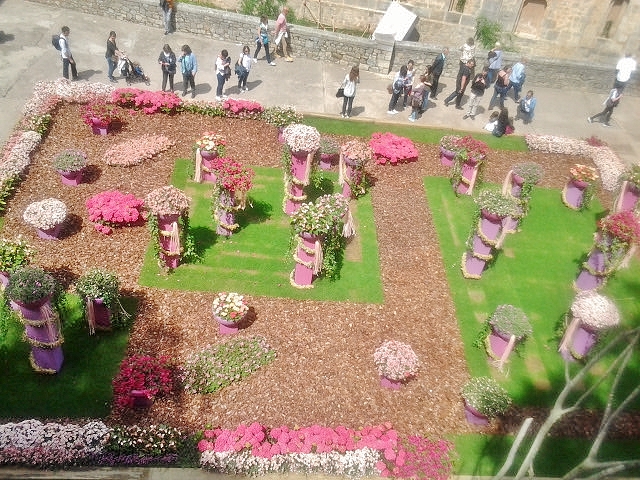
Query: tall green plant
[
  {"x": 270, "y": 8},
  {"x": 487, "y": 31}
]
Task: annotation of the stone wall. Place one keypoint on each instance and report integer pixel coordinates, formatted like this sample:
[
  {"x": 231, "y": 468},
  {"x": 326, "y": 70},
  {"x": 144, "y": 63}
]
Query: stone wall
[{"x": 322, "y": 45}]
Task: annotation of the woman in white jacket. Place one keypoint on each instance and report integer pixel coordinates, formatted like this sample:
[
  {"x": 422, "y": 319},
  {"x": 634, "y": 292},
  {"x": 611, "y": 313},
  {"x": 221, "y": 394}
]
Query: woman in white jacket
[{"x": 349, "y": 85}]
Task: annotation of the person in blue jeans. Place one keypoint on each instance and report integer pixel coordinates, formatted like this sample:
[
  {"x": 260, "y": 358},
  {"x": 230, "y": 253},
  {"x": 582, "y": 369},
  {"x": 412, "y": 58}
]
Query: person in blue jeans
[
  {"x": 262, "y": 40},
  {"x": 397, "y": 89},
  {"x": 188, "y": 67},
  {"x": 526, "y": 107},
  {"x": 112, "y": 54},
  {"x": 222, "y": 61}
]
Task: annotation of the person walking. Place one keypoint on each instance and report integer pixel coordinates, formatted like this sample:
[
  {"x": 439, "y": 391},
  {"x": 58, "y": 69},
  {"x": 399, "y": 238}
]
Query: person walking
[
  {"x": 437, "y": 66},
  {"x": 478, "y": 86},
  {"x": 418, "y": 93},
  {"x": 397, "y": 87},
  {"x": 495, "y": 62},
  {"x": 244, "y": 67},
  {"x": 65, "y": 54},
  {"x": 517, "y": 77},
  {"x": 168, "y": 64},
  {"x": 188, "y": 67},
  {"x": 112, "y": 55},
  {"x": 222, "y": 63},
  {"x": 408, "y": 82},
  {"x": 262, "y": 40},
  {"x": 463, "y": 79},
  {"x": 501, "y": 87},
  {"x": 349, "y": 85},
  {"x": 167, "y": 13},
  {"x": 624, "y": 68},
  {"x": 611, "y": 102},
  {"x": 526, "y": 107},
  {"x": 281, "y": 34}
]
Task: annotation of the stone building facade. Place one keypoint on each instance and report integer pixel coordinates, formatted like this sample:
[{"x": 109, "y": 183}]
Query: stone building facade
[{"x": 579, "y": 72}]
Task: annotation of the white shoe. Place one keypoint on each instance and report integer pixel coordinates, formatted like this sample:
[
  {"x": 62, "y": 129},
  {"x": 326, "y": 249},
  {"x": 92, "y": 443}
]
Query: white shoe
[
  {"x": 246, "y": 89},
  {"x": 393, "y": 112},
  {"x": 390, "y": 112},
  {"x": 218, "y": 98},
  {"x": 411, "y": 119},
  {"x": 224, "y": 97},
  {"x": 273, "y": 64}
]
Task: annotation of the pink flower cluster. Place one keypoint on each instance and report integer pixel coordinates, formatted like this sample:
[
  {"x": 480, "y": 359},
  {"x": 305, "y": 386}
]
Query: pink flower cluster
[
  {"x": 155, "y": 375},
  {"x": 147, "y": 101},
  {"x": 242, "y": 108},
  {"x": 399, "y": 458},
  {"x": 232, "y": 175},
  {"x": 112, "y": 209},
  {"x": 391, "y": 148}
]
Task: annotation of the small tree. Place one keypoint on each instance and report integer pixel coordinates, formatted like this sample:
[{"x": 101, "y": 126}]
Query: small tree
[
  {"x": 487, "y": 32},
  {"x": 269, "y": 8}
]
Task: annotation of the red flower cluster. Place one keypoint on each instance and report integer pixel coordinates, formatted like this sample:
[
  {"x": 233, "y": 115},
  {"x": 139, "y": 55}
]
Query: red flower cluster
[
  {"x": 624, "y": 226},
  {"x": 101, "y": 113},
  {"x": 113, "y": 209},
  {"x": 147, "y": 101},
  {"x": 232, "y": 175},
  {"x": 155, "y": 375},
  {"x": 388, "y": 147},
  {"x": 474, "y": 148},
  {"x": 409, "y": 459},
  {"x": 242, "y": 108}
]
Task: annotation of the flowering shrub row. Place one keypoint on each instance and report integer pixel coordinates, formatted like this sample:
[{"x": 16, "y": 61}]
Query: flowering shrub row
[
  {"x": 135, "y": 151},
  {"x": 147, "y": 101},
  {"x": 391, "y": 148},
  {"x": 242, "y": 108},
  {"x": 255, "y": 449}
]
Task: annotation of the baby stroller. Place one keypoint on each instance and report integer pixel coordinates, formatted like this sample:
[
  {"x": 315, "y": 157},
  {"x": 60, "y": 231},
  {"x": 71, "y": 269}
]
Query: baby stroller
[{"x": 132, "y": 71}]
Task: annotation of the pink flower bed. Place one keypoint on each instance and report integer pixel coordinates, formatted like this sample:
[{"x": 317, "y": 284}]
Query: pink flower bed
[
  {"x": 242, "y": 108},
  {"x": 113, "y": 209},
  {"x": 147, "y": 101},
  {"x": 391, "y": 148}
]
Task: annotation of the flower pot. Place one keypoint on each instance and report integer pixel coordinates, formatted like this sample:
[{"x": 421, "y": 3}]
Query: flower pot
[
  {"x": 327, "y": 160},
  {"x": 498, "y": 342},
  {"x": 492, "y": 217},
  {"x": 141, "y": 398},
  {"x": 573, "y": 193},
  {"x": 580, "y": 344},
  {"x": 390, "y": 384},
  {"x": 225, "y": 214},
  {"x": 71, "y": 178},
  {"x": 303, "y": 273},
  {"x": 98, "y": 128},
  {"x": 208, "y": 174},
  {"x": 30, "y": 311},
  {"x": 281, "y": 134},
  {"x": 227, "y": 327},
  {"x": 4, "y": 280},
  {"x": 597, "y": 261},
  {"x": 474, "y": 417},
  {"x": 102, "y": 315},
  {"x": 51, "y": 233},
  {"x": 518, "y": 180},
  {"x": 629, "y": 197},
  {"x": 579, "y": 183},
  {"x": 446, "y": 157}
]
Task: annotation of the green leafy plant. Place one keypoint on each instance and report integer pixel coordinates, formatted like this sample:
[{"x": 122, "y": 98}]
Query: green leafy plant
[
  {"x": 632, "y": 175},
  {"x": 70, "y": 161},
  {"x": 214, "y": 368},
  {"x": 14, "y": 254},
  {"x": 487, "y": 31},
  {"x": 329, "y": 146},
  {"x": 511, "y": 321},
  {"x": 268, "y": 8},
  {"x": 30, "y": 285},
  {"x": 486, "y": 396},
  {"x": 101, "y": 284},
  {"x": 529, "y": 171},
  {"x": 495, "y": 202}
]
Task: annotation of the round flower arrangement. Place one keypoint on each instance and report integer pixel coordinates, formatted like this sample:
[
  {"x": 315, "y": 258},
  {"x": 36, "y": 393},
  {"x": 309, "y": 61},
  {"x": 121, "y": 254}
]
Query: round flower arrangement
[
  {"x": 14, "y": 254},
  {"x": 45, "y": 214},
  {"x": 624, "y": 227},
  {"x": 357, "y": 151},
  {"x": 632, "y": 175},
  {"x": 595, "y": 311},
  {"x": 99, "y": 283},
  {"x": 281, "y": 115},
  {"x": 167, "y": 200},
  {"x": 322, "y": 217},
  {"x": 301, "y": 138},
  {"x": 495, "y": 202},
  {"x": 450, "y": 142},
  {"x": 396, "y": 361},
  {"x": 212, "y": 142},
  {"x": 530, "y": 172},
  {"x": 101, "y": 113},
  {"x": 470, "y": 148},
  {"x": 229, "y": 306},
  {"x": 511, "y": 321},
  {"x": 70, "y": 161},
  {"x": 583, "y": 173},
  {"x": 486, "y": 396},
  {"x": 29, "y": 285}
]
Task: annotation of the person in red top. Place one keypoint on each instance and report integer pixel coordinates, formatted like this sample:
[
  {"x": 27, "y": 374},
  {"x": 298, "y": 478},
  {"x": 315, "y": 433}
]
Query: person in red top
[{"x": 283, "y": 36}]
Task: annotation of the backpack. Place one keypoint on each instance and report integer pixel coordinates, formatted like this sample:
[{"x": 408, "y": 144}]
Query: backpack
[
  {"x": 55, "y": 41},
  {"x": 398, "y": 85}
]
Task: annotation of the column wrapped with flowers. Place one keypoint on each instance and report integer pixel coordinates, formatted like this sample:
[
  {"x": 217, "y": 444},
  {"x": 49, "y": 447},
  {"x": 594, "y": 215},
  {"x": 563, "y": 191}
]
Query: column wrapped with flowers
[
  {"x": 504, "y": 329},
  {"x": 467, "y": 164},
  {"x": 614, "y": 243},
  {"x": 229, "y": 310},
  {"x": 99, "y": 291},
  {"x": 14, "y": 254},
  {"x": 209, "y": 146},
  {"x": 354, "y": 157},
  {"x": 302, "y": 143},
  {"x": 519, "y": 184},
  {"x": 580, "y": 187},
  {"x": 47, "y": 216},
  {"x": 590, "y": 314},
  {"x": 233, "y": 182},
  {"x": 629, "y": 190},
  {"x": 396, "y": 363},
  {"x": 448, "y": 149},
  {"x": 30, "y": 290},
  {"x": 168, "y": 222},
  {"x": 492, "y": 208},
  {"x": 318, "y": 231}
]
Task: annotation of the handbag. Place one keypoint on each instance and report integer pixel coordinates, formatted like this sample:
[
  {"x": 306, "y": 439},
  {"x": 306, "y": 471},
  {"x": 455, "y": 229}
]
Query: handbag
[{"x": 340, "y": 93}]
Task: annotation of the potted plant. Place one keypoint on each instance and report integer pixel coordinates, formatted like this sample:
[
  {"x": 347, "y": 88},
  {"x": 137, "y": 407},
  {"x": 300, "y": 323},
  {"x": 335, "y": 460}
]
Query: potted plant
[
  {"x": 582, "y": 174},
  {"x": 495, "y": 205},
  {"x": 321, "y": 218},
  {"x": 167, "y": 200},
  {"x": 212, "y": 143},
  {"x": 30, "y": 287},
  {"x": 591, "y": 313},
  {"x": 301, "y": 138},
  {"x": 99, "y": 290},
  {"x": 396, "y": 363},
  {"x": 484, "y": 399},
  {"x": 471, "y": 150},
  {"x": 229, "y": 309},
  {"x": 100, "y": 115},
  {"x": 70, "y": 164},
  {"x": 449, "y": 143},
  {"x": 13, "y": 255},
  {"x": 141, "y": 379},
  {"x": 506, "y": 327},
  {"x": 629, "y": 189},
  {"x": 527, "y": 172},
  {"x": 467, "y": 164},
  {"x": 354, "y": 156},
  {"x": 233, "y": 181},
  {"x": 46, "y": 216},
  {"x": 580, "y": 188},
  {"x": 281, "y": 115},
  {"x": 329, "y": 152}
]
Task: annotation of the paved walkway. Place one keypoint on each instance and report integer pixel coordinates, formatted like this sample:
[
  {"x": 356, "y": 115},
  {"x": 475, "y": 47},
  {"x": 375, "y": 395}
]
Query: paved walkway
[{"x": 28, "y": 56}]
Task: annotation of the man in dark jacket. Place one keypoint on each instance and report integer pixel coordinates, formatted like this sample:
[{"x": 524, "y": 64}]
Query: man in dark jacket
[
  {"x": 464, "y": 78},
  {"x": 436, "y": 70}
]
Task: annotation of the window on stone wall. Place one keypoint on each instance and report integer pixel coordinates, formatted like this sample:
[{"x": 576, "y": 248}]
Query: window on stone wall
[
  {"x": 530, "y": 18},
  {"x": 457, "y": 5},
  {"x": 616, "y": 10}
]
